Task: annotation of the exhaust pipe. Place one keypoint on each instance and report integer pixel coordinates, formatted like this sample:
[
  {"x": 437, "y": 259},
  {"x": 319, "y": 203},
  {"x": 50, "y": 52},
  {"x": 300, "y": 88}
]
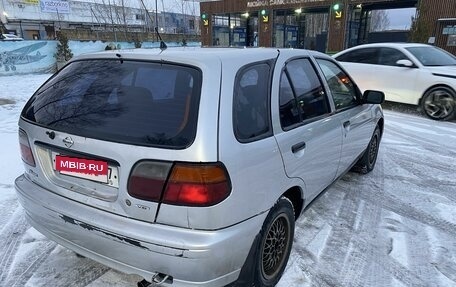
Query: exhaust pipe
[{"x": 157, "y": 280}]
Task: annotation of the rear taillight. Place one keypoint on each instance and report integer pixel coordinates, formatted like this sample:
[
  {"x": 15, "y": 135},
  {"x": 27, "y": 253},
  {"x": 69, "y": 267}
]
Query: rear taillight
[
  {"x": 26, "y": 151},
  {"x": 148, "y": 179},
  {"x": 187, "y": 184},
  {"x": 197, "y": 185}
]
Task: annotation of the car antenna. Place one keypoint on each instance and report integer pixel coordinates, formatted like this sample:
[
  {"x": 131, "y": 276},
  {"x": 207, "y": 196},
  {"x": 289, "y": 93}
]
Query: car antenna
[{"x": 163, "y": 45}]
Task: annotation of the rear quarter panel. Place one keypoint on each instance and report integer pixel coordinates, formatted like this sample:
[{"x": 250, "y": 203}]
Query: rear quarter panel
[{"x": 256, "y": 168}]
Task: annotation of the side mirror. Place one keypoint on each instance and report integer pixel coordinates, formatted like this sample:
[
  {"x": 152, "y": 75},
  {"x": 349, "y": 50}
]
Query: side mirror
[
  {"x": 405, "y": 63},
  {"x": 373, "y": 97}
]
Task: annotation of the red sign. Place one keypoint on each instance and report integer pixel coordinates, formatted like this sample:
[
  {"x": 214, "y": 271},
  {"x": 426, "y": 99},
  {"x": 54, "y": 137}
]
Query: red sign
[{"x": 80, "y": 165}]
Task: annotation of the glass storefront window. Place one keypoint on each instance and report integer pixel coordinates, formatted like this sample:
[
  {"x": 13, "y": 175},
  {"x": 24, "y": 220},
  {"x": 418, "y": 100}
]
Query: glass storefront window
[
  {"x": 286, "y": 29},
  {"x": 303, "y": 30},
  {"x": 229, "y": 30}
]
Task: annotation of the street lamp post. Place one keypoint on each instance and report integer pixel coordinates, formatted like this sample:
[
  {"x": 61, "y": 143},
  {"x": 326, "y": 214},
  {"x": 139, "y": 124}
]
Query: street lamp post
[{"x": 156, "y": 19}]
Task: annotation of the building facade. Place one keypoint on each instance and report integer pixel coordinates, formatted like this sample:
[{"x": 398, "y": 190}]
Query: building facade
[
  {"x": 324, "y": 25},
  {"x": 40, "y": 19}
]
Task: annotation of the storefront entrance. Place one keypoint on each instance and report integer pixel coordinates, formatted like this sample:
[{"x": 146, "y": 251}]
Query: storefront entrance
[
  {"x": 301, "y": 29},
  {"x": 235, "y": 30}
]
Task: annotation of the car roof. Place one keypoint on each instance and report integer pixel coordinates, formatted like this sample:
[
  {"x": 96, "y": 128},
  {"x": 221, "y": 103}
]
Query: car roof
[
  {"x": 197, "y": 54},
  {"x": 386, "y": 44}
]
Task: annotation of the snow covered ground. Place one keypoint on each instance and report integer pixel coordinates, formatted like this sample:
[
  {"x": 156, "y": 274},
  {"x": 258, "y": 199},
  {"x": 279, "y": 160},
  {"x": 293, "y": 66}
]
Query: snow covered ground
[{"x": 393, "y": 227}]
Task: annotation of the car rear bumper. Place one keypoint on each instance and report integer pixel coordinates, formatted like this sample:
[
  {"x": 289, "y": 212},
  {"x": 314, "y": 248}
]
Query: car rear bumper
[{"x": 191, "y": 257}]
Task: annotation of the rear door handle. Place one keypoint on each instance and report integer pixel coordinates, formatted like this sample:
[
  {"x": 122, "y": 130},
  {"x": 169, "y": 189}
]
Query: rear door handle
[
  {"x": 297, "y": 147},
  {"x": 346, "y": 124}
]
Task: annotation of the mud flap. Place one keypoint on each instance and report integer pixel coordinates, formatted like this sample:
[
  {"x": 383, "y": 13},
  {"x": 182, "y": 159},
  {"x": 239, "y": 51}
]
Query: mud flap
[{"x": 247, "y": 275}]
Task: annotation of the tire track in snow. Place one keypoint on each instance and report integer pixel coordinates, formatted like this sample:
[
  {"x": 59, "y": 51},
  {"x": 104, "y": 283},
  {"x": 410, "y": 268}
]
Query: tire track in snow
[
  {"x": 326, "y": 208},
  {"x": 418, "y": 249},
  {"x": 433, "y": 165},
  {"x": 394, "y": 204},
  {"x": 90, "y": 272},
  {"x": 357, "y": 270},
  {"x": 368, "y": 262},
  {"x": 318, "y": 279},
  {"x": 445, "y": 264},
  {"x": 10, "y": 238},
  {"x": 365, "y": 250},
  {"x": 370, "y": 246},
  {"x": 336, "y": 250},
  {"x": 382, "y": 260},
  {"x": 439, "y": 187},
  {"x": 433, "y": 147},
  {"x": 74, "y": 271},
  {"x": 446, "y": 188},
  {"x": 428, "y": 172},
  {"x": 372, "y": 254},
  {"x": 36, "y": 258},
  {"x": 308, "y": 227},
  {"x": 321, "y": 210},
  {"x": 341, "y": 257}
]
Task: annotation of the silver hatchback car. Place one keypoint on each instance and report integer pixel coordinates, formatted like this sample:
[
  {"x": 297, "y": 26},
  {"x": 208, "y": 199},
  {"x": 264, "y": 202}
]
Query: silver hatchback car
[{"x": 189, "y": 166}]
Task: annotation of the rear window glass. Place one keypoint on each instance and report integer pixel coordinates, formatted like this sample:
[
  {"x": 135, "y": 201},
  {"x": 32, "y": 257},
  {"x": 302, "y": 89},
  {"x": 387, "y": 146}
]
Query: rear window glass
[{"x": 140, "y": 103}]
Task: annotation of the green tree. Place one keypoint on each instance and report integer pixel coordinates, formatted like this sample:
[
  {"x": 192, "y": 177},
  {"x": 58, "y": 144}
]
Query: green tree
[
  {"x": 136, "y": 40},
  {"x": 63, "y": 53}
]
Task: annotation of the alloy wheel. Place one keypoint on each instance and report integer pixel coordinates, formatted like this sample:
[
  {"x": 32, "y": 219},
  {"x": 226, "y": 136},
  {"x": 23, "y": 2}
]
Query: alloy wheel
[
  {"x": 439, "y": 104},
  {"x": 275, "y": 246},
  {"x": 373, "y": 150}
]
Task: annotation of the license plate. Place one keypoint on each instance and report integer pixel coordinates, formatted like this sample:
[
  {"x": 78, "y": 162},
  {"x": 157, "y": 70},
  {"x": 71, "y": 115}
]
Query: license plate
[{"x": 95, "y": 170}]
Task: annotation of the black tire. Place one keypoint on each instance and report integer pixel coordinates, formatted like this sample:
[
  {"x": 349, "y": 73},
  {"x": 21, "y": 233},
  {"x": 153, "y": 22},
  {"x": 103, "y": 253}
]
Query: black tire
[
  {"x": 439, "y": 103},
  {"x": 367, "y": 162},
  {"x": 276, "y": 239}
]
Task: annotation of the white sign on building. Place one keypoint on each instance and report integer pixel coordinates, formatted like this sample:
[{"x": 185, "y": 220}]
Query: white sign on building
[{"x": 55, "y": 6}]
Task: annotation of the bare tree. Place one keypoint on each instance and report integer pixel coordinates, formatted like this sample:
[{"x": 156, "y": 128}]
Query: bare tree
[
  {"x": 101, "y": 13},
  {"x": 113, "y": 13},
  {"x": 379, "y": 20}
]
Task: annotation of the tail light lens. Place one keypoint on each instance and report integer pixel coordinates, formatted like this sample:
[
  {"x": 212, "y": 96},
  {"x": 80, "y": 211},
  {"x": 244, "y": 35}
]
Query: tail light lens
[
  {"x": 148, "y": 179},
  {"x": 180, "y": 184},
  {"x": 26, "y": 151},
  {"x": 197, "y": 185}
]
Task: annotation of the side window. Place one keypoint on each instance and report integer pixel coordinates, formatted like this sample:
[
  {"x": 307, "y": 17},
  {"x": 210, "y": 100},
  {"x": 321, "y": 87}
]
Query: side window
[
  {"x": 389, "y": 56},
  {"x": 301, "y": 95},
  {"x": 288, "y": 105},
  {"x": 342, "y": 88},
  {"x": 365, "y": 56},
  {"x": 251, "y": 119},
  {"x": 310, "y": 95}
]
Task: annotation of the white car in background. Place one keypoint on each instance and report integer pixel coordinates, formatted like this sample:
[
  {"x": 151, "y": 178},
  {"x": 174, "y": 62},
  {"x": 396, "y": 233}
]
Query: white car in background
[
  {"x": 10, "y": 37},
  {"x": 409, "y": 73}
]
